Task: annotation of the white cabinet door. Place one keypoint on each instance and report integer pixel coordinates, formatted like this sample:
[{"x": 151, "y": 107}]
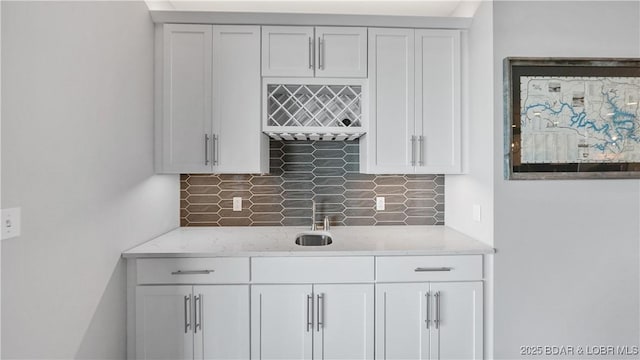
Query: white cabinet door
[
  {"x": 281, "y": 322},
  {"x": 388, "y": 146},
  {"x": 438, "y": 101},
  {"x": 238, "y": 144},
  {"x": 341, "y": 52},
  {"x": 401, "y": 321},
  {"x": 221, "y": 322},
  {"x": 344, "y": 321},
  {"x": 164, "y": 322},
  {"x": 287, "y": 51},
  {"x": 186, "y": 111},
  {"x": 458, "y": 334}
]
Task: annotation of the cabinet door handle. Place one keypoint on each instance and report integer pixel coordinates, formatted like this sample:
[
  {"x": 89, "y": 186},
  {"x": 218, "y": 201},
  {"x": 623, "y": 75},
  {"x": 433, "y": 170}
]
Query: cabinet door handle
[
  {"x": 198, "y": 310},
  {"x": 437, "y": 320},
  {"x": 421, "y": 150},
  {"x": 428, "y": 269},
  {"x": 428, "y": 317},
  {"x": 187, "y": 313},
  {"x": 215, "y": 149},
  {"x": 320, "y": 53},
  {"x": 413, "y": 150},
  {"x": 192, "y": 272},
  {"x": 310, "y": 52},
  {"x": 320, "y": 321},
  {"x": 309, "y": 312},
  {"x": 206, "y": 149}
]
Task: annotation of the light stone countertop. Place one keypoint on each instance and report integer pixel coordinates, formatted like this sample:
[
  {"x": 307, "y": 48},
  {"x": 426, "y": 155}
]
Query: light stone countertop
[{"x": 280, "y": 241}]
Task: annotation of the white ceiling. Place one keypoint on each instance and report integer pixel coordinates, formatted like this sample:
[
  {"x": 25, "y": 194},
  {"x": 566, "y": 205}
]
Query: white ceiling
[{"x": 455, "y": 8}]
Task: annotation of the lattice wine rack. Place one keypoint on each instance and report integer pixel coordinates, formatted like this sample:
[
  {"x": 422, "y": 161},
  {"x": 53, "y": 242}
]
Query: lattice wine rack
[{"x": 329, "y": 109}]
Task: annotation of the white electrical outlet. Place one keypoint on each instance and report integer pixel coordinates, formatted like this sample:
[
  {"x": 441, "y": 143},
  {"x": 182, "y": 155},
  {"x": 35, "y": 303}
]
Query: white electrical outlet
[
  {"x": 380, "y": 203},
  {"x": 237, "y": 204},
  {"x": 10, "y": 223},
  {"x": 477, "y": 213}
]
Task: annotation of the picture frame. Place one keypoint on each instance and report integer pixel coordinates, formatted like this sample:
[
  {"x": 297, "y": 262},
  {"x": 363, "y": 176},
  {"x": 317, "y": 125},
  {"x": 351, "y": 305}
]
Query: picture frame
[{"x": 571, "y": 118}]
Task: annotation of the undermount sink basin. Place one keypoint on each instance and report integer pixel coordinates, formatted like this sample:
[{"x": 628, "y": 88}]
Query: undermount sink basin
[{"x": 314, "y": 239}]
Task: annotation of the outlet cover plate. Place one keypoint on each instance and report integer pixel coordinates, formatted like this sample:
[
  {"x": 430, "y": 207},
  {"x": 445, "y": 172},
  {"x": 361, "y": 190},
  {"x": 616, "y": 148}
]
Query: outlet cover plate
[
  {"x": 477, "y": 213},
  {"x": 237, "y": 204},
  {"x": 10, "y": 223}
]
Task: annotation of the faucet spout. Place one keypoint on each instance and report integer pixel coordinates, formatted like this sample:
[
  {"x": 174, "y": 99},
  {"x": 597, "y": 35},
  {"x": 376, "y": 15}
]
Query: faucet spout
[{"x": 313, "y": 215}]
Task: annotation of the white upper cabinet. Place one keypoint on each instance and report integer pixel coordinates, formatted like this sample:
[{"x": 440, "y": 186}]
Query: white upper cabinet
[
  {"x": 185, "y": 119},
  {"x": 438, "y": 101},
  {"x": 297, "y": 51},
  {"x": 415, "y": 124},
  {"x": 239, "y": 146},
  {"x": 208, "y": 113},
  {"x": 341, "y": 52},
  {"x": 386, "y": 147},
  {"x": 287, "y": 51}
]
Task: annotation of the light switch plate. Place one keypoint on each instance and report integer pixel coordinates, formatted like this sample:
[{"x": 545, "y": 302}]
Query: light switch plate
[
  {"x": 380, "y": 203},
  {"x": 237, "y": 204},
  {"x": 10, "y": 223}
]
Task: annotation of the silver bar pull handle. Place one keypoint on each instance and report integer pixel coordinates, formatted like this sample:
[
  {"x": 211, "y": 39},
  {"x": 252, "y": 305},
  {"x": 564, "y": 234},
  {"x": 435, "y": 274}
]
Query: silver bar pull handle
[
  {"x": 413, "y": 150},
  {"x": 320, "y": 316},
  {"x": 206, "y": 149},
  {"x": 309, "y": 312},
  {"x": 429, "y": 269},
  {"x": 421, "y": 150},
  {"x": 192, "y": 272},
  {"x": 428, "y": 317},
  {"x": 320, "y": 53},
  {"x": 198, "y": 313},
  {"x": 215, "y": 149},
  {"x": 310, "y": 52},
  {"x": 187, "y": 313},
  {"x": 437, "y": 320}
]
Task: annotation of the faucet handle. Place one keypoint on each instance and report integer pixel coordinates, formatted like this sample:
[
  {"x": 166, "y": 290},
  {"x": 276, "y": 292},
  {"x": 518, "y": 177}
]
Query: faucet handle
[{"x": 327, "y": 223}]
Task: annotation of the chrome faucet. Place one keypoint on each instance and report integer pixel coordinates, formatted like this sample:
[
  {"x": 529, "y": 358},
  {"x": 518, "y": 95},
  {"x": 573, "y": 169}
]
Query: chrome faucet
[
  {"x": 314, "y": 226},
  {"x": 326, "y": 222}
]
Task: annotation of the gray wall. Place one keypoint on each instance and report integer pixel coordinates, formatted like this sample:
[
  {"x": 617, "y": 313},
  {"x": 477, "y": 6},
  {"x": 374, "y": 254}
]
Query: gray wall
[
  {"x": 567, "y": 267},
  {"x": 77, "y": 156},
  {"x": 475, "y": 187}
]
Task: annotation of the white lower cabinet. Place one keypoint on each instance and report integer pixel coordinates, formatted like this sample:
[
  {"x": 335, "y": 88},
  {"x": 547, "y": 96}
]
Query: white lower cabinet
[
  {"x": 437, "y": 320},
  {"x": 328, "y": 321},
  {"x": 192, "y": 322},
  {"x": 161, "y": 322},
  {"x": 307, "y": 308},
  {"x": 279, "y": 328}
]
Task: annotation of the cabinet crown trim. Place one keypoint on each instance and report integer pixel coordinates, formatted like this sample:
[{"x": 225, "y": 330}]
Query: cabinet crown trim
[{"x": 250, "y": 18}]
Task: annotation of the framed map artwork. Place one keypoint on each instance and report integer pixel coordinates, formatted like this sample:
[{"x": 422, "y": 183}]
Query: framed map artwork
[{"x": 572, "y": 118}]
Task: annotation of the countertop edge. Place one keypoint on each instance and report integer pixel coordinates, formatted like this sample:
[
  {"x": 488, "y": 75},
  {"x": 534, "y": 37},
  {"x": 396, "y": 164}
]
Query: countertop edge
[{"x": 489, "y": 251}]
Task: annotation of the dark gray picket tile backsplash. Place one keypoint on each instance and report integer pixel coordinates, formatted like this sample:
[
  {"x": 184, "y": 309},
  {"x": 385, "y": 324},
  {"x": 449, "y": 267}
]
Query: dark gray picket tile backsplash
[{"x": 302, "y": 171}]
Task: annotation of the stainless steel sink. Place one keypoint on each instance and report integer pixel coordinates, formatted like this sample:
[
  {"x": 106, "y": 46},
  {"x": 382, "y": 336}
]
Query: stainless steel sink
[{"x": 313, "y": 239}]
